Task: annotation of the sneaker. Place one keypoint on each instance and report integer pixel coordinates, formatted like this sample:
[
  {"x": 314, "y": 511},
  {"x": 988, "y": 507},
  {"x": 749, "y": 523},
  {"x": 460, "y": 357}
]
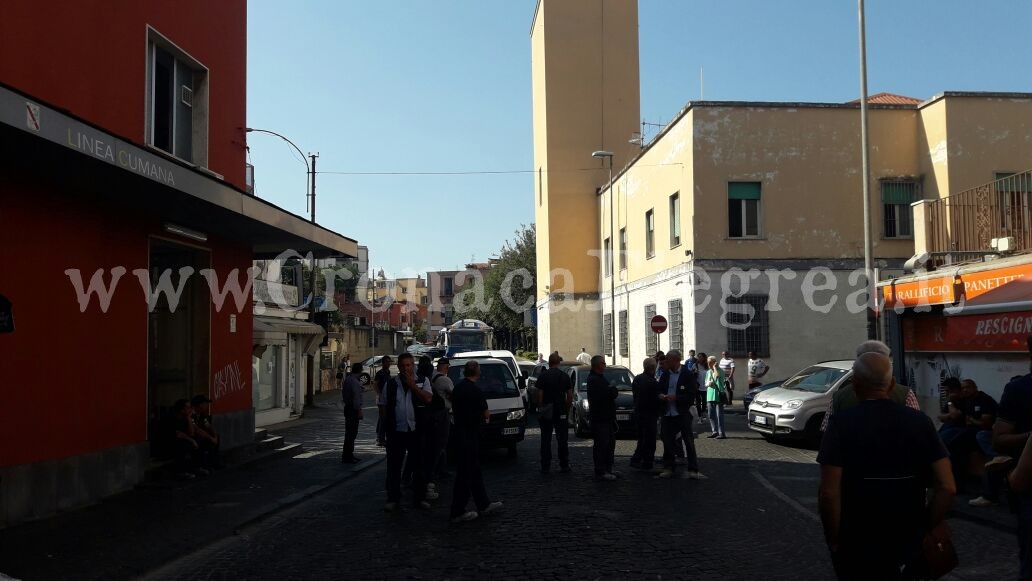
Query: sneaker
[
  {"x": 423, "y": 505},
  {"x": 713, "y": 435},
  {"x": 697, "y": 476},
  {"x": 432, "y": 495},
  {"x": 491, "y": 508},
  {"x": 999, "y": 463},
  {"x": 665, "y": 474},
  {"x": 465, "y": 517},
  {"x": 980, "y": 502},
  {"x": 390, "y": 507}
]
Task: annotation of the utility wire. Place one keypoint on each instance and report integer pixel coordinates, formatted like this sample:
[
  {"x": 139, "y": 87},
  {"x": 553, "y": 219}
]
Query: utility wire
[{"x": 483, "y": 172}]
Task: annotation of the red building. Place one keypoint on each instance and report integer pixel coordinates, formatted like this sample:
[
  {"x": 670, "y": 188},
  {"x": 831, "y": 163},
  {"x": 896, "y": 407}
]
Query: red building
[{"x": 122, "y": 160}]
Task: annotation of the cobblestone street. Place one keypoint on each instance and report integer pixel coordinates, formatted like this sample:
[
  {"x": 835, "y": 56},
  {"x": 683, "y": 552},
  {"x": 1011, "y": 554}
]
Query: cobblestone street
[{"x": 755, "y": 517}]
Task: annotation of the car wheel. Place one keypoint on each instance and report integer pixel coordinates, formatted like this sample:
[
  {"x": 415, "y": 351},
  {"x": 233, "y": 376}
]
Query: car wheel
[
  {"x": 813, "y": 429},
  {"x": 364, "y": 379},
  {"x": 512, "y": 451}
]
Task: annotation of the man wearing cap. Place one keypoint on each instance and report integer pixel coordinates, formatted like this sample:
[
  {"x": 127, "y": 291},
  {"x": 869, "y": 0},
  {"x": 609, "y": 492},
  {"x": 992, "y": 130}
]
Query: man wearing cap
[
  {"x": 351, "y": 393},
  {"x": 205, "y": 435},
  {"x": 440, "y": 406},
  {"x": 877, "y": 460}
]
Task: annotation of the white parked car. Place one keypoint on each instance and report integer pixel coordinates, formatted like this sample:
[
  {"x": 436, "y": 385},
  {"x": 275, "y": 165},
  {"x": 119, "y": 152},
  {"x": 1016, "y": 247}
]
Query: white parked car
[
  {"x": 505, "y": 356},
  {"x": 797, "y": 407}
]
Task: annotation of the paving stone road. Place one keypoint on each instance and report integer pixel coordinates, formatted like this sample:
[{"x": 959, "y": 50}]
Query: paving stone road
[{"x": 756, "y": 517}]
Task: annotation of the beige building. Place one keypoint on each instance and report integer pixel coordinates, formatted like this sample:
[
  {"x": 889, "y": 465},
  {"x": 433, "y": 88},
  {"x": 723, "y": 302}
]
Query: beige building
[
  {"x": 444, "y": 285},
  {"x": 411, "y": 290},
  {"x": 720, "y": 221}
]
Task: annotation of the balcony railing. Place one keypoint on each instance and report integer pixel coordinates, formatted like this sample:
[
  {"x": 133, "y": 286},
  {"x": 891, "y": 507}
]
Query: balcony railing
[{"x": 967, "y": 222}]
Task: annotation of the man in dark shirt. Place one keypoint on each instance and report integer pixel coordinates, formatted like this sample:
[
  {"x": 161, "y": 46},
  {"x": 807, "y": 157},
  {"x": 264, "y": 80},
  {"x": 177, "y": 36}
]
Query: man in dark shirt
[
  {"x": 554, "y": 394},
  {"x": 877, "y": 459},
  {"x": 602, "y": 407},
  {"x": 470, "y": 412},
  {"x": 1010, "y": 436},
  {"x": 380, "y": 383},
  {"x": 646, "y": 410},
  {"x": 351, "y": 394},
  {"x": 678, "y": 388}
]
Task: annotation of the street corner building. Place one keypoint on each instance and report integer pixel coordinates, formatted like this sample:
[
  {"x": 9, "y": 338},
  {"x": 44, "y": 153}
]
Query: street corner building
[
  {"x": 123, "y": 169},
  {"x": 769, "y": 189}
]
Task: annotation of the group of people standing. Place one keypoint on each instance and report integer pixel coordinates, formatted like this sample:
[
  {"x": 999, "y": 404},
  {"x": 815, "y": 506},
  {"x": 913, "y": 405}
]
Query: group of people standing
[{"x": 420, "y": 410}]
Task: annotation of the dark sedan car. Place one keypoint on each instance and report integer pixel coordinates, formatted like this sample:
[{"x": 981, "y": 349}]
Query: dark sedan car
[
  {"x": 750, "y": 395},
  {"x": 580, "y": 414}
]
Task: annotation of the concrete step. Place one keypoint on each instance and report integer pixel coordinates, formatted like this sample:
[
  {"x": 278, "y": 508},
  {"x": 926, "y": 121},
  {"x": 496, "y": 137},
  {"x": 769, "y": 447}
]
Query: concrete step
[
  {"x": 269, "y": 443},
  {"x": 260, "y": 434}
]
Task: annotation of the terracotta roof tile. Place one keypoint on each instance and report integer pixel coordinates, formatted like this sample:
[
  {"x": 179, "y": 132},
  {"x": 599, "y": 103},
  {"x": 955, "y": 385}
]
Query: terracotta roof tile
[{"x": 889, "y": 99}]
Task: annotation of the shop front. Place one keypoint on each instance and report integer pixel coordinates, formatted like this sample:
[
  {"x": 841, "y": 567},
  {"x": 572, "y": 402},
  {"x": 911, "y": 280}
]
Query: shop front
[{"x": 971, "y": 321}]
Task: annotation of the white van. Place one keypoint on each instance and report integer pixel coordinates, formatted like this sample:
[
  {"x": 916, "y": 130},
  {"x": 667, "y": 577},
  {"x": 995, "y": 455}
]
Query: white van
[
  {"x": 507, "y": 357},
  {"x": 508, "y": 423}
]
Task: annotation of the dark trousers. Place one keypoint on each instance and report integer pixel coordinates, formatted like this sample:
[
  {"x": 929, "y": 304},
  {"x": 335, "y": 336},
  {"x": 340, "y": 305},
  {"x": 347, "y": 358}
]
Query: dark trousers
[
  {"x": 439, "y": 445},
  {"x": 561, "y": 426},
  {"x": 207, "y": 453},
  {"x": 186, "y": 457},
  {"x": 604, "y": 448},
  {"x": 672, "y": 427},
  {"x": 1024, "y": 506},
  {"x": 402, "y": 446},
  {"x": 700, "y": 403},
  {"x": 469, "y": 481},
  {"x": 351, "y": 421},
  {"x": 645, "y": 449}
]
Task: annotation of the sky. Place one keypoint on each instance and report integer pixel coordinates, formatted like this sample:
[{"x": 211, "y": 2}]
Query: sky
[{"x": 398, "y": 86}]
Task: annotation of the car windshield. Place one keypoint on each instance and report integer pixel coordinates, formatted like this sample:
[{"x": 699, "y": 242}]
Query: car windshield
[
  {"x": 527, "y": 369},
  {"x": 815, "y": 379},
  {"x": 372, "y": 361},
  {"x": 495, "y": 381},
  {"x": 475, "y": 339},
  {"x": 621, "y": 378}
]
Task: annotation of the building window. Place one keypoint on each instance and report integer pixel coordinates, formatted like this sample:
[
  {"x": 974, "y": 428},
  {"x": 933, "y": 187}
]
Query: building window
[
  {"x": 607, "y": 330},
  {"x": 651, "y": 338},
  {"x": 755, "y": 336},
  {"x": 449, "y": 314},
  {"x": 676, "y": 322},
  {"x": 623, "y": 248},
  {"x": 449, "y": 288},
  {"x": 743, "y": 209},
  {"x": 177, "y": 101},
  {"x": 675, "y": 220},
  {"x": 624, "y": 347},
  {"x": 1014, "y": 198},
  {"x": 650, "y": 234},
  {"x": 423, "y": 300},
  {"x": 607, "y": 247},
  {"x": 897, "y": 195}
]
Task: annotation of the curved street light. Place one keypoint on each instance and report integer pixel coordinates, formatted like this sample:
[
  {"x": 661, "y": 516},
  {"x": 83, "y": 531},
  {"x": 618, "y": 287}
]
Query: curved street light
[{"x": 308, "y": 167}]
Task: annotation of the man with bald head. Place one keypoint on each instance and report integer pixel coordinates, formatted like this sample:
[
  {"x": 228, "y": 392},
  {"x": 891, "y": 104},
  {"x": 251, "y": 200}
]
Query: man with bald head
[
  {"x": 846, "y": 398},
  {"x": 877, "y": 459}
]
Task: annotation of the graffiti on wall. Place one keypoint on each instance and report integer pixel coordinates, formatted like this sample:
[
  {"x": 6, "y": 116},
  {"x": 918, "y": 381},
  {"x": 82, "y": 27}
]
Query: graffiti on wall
[{"x": 228, "y": 380}]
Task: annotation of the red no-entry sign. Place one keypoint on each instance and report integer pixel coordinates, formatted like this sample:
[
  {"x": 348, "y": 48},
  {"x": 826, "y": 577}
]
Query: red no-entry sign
[{"x": 658, "y": 324}]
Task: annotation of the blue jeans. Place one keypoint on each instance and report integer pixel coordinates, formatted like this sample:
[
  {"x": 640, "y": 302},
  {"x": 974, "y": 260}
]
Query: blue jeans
[{"x": 716, "y": 418}]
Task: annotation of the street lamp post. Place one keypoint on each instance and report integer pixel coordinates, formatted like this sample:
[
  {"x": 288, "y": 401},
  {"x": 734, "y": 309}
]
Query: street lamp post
[
  {"x": 612, "y": 250},
  {"x": 872, "y": 314},
  {"x": 310, "y": 199}
]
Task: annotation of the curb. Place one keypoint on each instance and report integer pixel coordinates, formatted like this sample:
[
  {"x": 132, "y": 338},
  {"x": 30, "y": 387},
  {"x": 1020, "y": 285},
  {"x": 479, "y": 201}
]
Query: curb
[
  {"x": 983, "y": 521},
  {"x": 314, "y": 490},
  {"x": 268, "y": 511}
]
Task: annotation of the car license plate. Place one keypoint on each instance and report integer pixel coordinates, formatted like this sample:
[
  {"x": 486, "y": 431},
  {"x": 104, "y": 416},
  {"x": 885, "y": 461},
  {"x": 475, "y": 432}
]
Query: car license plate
[
  {"x": 760, "y": 420},
  {"x": 622, "y": 417},
  {"x": 510, "y": 431}
]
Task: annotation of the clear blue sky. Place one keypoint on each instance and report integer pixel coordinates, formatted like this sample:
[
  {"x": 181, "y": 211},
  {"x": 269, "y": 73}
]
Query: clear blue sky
[{"x": 444, "y": 85}]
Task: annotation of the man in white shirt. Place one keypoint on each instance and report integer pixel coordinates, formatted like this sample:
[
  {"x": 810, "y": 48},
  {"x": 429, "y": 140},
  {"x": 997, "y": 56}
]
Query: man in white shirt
[
  {"x": 583, "y": 357},
  {"x": 400, "y": 425},
  {"x": 727, "y": 365},
  {"x": 757, "y": 369}
]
